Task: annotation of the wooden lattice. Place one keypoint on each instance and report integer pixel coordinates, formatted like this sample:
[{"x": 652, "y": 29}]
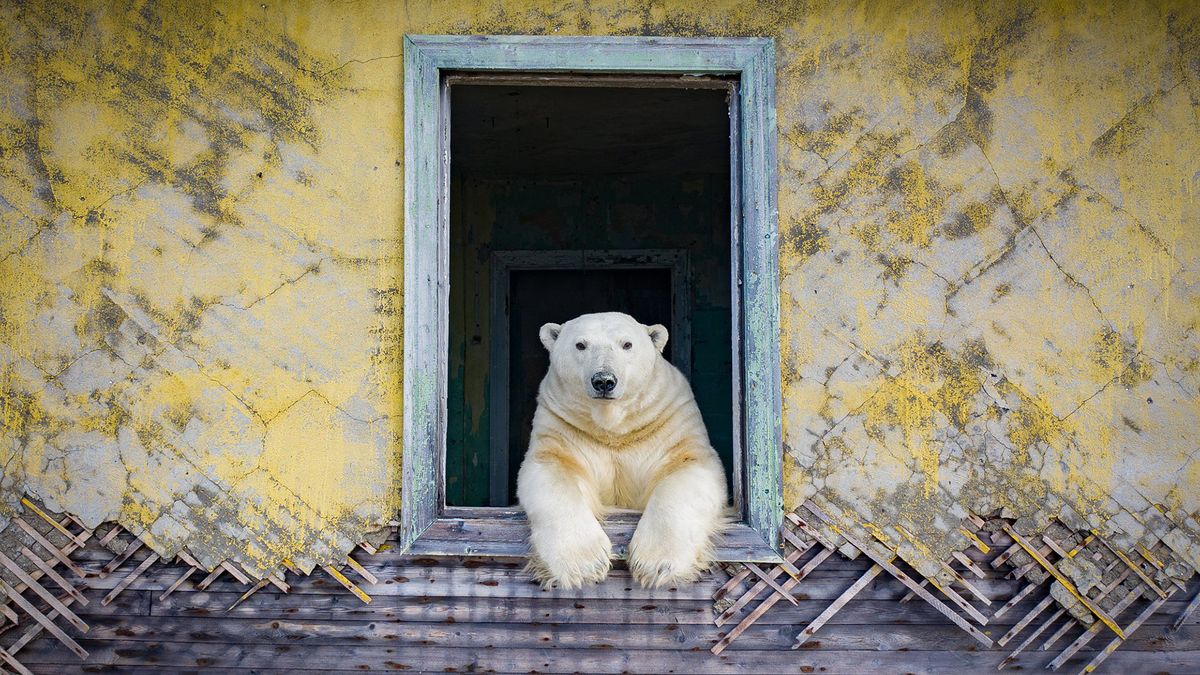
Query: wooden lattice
[
  {"x": 40, "y": 600},
  {"x": 44, "y": 570},
  {"x": 1126, "y": 593}
]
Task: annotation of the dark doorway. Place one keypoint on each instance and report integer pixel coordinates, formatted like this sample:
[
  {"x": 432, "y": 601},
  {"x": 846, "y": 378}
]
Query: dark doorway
[{"x": 560, "y": 171}]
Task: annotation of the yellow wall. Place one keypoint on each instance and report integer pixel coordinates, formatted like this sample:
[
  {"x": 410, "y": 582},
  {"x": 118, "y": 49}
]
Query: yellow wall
[{"x": 989, "y": 269}]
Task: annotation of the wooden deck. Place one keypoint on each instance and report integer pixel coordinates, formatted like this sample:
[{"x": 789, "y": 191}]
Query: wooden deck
[{"x": 481, "y": 615}]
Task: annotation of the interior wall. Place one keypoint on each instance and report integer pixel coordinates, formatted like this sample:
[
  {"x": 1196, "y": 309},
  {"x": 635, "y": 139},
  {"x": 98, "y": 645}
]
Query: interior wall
[{"x": 988, "y": 271}]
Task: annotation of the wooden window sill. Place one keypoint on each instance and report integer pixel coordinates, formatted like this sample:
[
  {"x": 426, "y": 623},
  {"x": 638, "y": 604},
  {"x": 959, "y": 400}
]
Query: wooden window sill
[{"x": 504, "y": 533}]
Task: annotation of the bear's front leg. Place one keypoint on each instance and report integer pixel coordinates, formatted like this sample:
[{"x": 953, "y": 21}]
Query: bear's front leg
[
  {"x": 674, "y": 538},
  {"x": 568, "y": 546}
]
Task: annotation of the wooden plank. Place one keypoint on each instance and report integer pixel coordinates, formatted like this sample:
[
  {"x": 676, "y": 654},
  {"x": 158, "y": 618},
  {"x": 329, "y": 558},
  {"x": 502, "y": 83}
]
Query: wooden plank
[
  {"x": 1062, "y": 579},
  {"x": 493, "y": 537},
  {"x": 737, "y": 375},
  {"x": 733, "y": 582},
  {"x": 958, "y": 599},
  {"x": 1014, "y": 600},
  {"x": 546, "y": 609},
  {"x": 178, "y": 582},
  {"x": 110, "y": 535},
  {"x": 648, "y": 81},
  {"x": 253, "y": 589},
  {"x": 811, "y": 531},
  {"x": 753, "y": 592},
  {"x": 187, "y": 558},
  {"x": 1030, "y": 638},
  {"x": 361, "y": 571},
  {"x": 54, "y": 576},
  {"x": 79, "y": 542},
  {"x": 761, "y": 380},
  {"x": 130, "y": 608},
  {"x": 797, "y": 543},
  {"x": 50, "y": 548},
  {"x": 13, "y": 662},
  {"x": 976, "y": 541},
  {"x": 236, "y": 573},
  {"x": 836, "y": 606},
  {"x": 1062, "y": 553},
  {"x": 1005, "y": 555},
  {"x": 1149, "y": 557},
  {"x": 130, "y": 578},
  {"x": 425, "y": 288},
  {"x": 969, "y": 564},
  {"x": 759, "y": 587},
  {"x": 1187, "y": 612},
  {"x": 1133, "y": 626},
  {"x": 907, "y": 581},
  {"x": 436, "y": 582},
  {"x": 1137, "y": 569},
  {"x": 1116, "y": 610},
  {"x": 767, "y": 604},
  {"x": 119, "y": 560},
  {"x": 303, "y": 633},
  {"x": 282, "y": 585},
  {"x": 36, "y": 629},
  {"x": 770, "y": 581},
  {"x": 1025, "y": 620},
  {"x": 208, "y": 580},
  {"x": 42, "y": 593},
  {"x": 1058, "y": 634},
  {"x": 175, "y": 657},
  {"x": 41, "y": 619},
  {"x": 8, "y": 613},
  {"x": 1092, "y": 631},
  {"x": 349, "y": 585}
]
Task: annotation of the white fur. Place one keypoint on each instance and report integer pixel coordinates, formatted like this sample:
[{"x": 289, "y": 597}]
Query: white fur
[{"x": 645, "y": 449}]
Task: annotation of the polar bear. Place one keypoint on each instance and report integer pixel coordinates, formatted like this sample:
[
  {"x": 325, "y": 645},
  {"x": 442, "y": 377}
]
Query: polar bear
[{"x": 617, "y": 426}]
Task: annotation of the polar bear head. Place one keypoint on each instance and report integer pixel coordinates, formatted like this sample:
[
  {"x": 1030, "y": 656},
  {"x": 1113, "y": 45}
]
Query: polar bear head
[{"x": 603, "y": 356}]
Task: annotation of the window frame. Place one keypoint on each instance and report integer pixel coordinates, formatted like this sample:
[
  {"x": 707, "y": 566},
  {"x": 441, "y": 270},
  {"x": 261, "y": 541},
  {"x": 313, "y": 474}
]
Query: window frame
[{"x": 427, "y": 525}]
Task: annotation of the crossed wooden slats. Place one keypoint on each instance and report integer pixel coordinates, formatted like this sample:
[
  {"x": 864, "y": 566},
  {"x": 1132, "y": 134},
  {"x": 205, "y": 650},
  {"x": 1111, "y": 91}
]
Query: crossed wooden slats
[
  {"x": 1103, "y": 552},
  {"x": 30, "y": 580},
  {"x": 1106, "y": 602},
  {"x": 799, "y": 549},
  {"x": 920, "y": 591},
  {"x": 800, "y": 539},
  {"x": 31, "y": 569}
]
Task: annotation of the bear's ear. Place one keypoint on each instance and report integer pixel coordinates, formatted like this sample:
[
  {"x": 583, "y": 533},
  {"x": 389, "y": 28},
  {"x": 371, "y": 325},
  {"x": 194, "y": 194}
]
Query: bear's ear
[
  {"x": 658, "y": 335},
  {"x": 548, "y": 334}
]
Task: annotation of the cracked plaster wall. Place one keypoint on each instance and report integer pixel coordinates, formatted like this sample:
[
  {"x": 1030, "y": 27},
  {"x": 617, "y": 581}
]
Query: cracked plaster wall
[{"x": 989, "y": 262}]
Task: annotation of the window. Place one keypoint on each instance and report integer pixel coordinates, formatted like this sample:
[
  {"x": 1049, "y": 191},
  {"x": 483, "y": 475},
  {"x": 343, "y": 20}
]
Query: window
[{"x": 546, "y": 128}]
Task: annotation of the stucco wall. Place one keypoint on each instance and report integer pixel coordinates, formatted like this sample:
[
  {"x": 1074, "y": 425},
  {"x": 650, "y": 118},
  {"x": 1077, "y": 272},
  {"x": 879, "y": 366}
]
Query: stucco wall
[{"x": 989, "y": 270}]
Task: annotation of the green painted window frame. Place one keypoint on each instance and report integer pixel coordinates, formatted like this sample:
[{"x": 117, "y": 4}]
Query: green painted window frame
[{"x": 427, "y": 525}]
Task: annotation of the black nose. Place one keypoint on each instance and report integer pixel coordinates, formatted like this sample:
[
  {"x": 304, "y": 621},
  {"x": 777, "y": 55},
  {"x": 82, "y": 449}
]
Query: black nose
[{"x": 604, "y": 383}]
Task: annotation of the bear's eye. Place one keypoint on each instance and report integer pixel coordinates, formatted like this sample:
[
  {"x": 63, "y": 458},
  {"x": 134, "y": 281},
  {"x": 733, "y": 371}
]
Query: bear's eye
[
  {"x": 627, "y": 346},
  {"x": 580, "y": 346}
]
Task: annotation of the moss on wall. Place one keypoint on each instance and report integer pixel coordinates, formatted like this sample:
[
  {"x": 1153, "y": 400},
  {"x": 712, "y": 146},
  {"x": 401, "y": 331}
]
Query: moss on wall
[{"x": 989, "y": 262}]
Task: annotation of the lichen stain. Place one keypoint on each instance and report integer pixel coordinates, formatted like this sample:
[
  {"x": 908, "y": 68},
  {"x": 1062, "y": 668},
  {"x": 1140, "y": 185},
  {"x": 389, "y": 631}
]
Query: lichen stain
[
  {"x": 135, "y": 139},
  {"x": 920, "y": 207}
]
